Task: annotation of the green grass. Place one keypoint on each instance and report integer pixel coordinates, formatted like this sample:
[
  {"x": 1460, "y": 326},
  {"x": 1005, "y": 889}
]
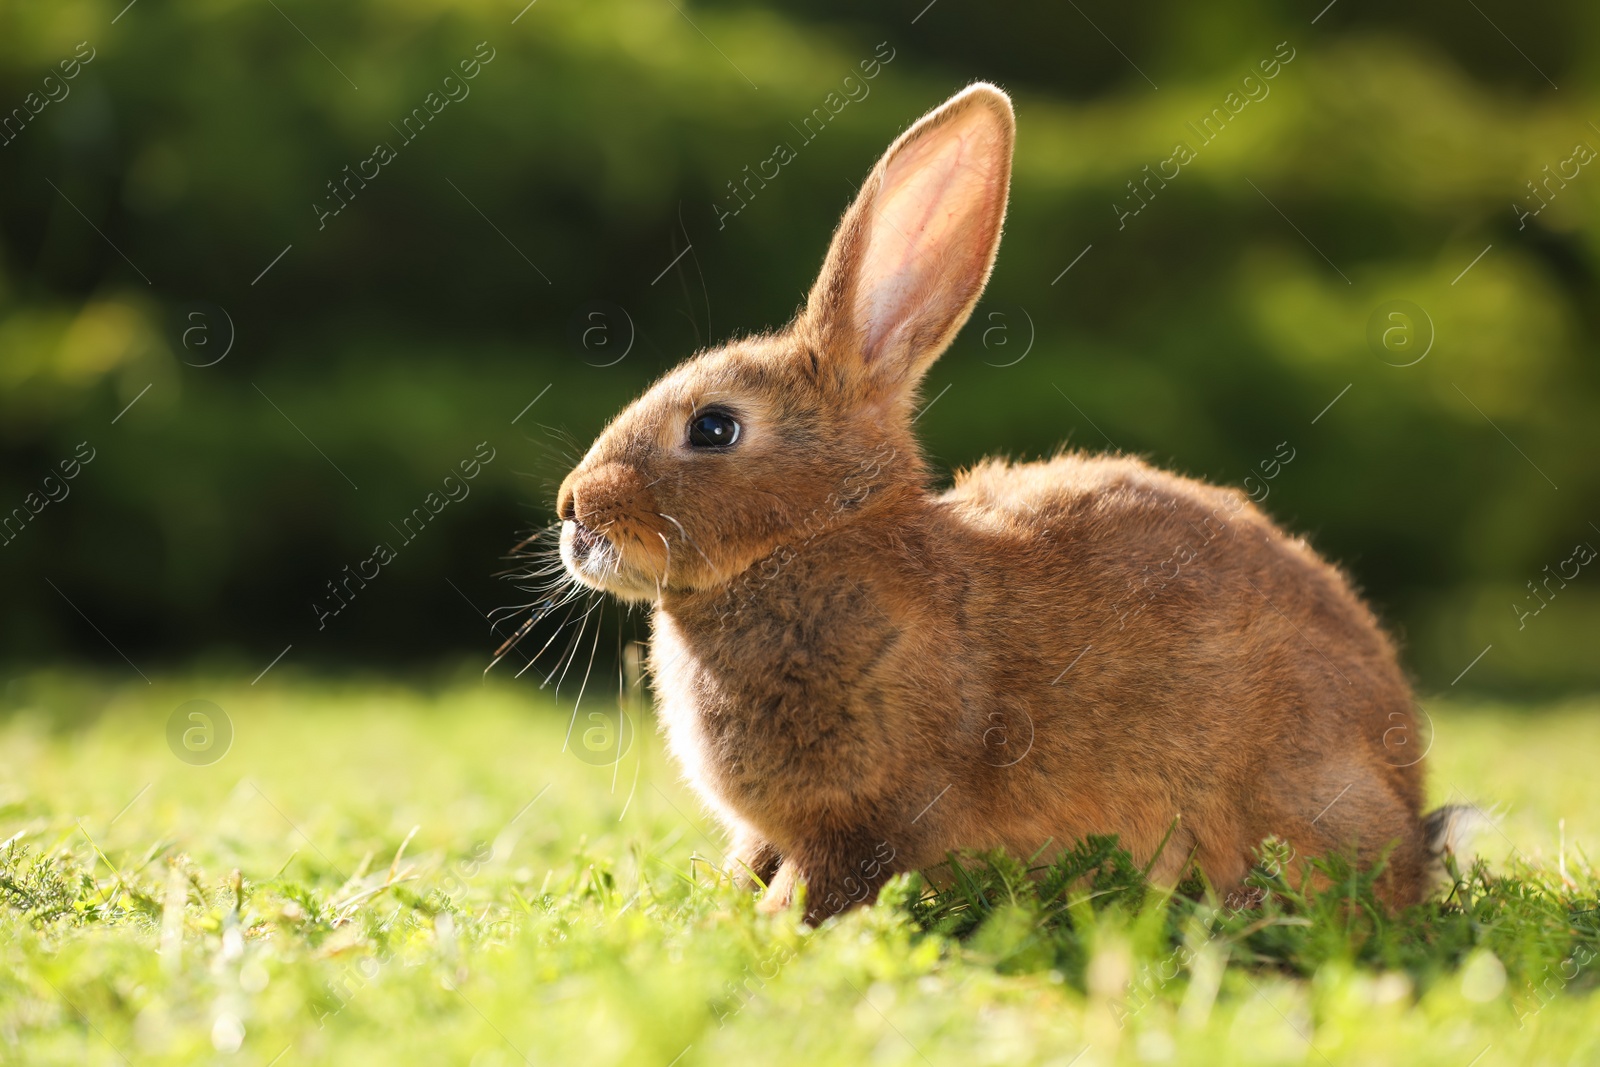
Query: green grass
[{"x": 353, "y": 883}]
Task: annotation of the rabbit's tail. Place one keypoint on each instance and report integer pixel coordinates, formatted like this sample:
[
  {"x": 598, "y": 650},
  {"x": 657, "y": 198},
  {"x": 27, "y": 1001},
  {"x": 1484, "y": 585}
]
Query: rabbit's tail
[{"x": 1449, "y": 833}]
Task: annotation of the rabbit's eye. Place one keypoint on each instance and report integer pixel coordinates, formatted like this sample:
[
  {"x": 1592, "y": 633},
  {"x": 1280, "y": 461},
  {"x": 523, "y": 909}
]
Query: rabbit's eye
[{"x": 713, "y": 429}]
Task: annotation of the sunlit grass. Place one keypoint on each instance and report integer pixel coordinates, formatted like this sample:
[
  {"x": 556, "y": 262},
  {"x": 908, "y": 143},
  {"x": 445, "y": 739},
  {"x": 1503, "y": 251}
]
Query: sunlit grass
[{"x": 423, "y": 875}]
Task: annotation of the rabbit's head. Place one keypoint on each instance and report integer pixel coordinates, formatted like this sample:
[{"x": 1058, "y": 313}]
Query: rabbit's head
[{"x": 775, "y": 439}]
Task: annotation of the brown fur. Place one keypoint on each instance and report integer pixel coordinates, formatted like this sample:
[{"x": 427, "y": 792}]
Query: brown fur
[{"x": 859, "y": 675}]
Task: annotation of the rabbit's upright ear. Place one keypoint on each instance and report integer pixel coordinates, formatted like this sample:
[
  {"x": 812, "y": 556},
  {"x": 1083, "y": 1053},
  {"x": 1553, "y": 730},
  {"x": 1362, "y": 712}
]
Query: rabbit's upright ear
[{"x": 912, "y": 254}]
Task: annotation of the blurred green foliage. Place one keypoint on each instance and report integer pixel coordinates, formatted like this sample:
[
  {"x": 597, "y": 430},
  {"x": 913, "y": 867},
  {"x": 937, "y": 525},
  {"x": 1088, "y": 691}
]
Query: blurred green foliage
[{"x": 163, "y": 206}]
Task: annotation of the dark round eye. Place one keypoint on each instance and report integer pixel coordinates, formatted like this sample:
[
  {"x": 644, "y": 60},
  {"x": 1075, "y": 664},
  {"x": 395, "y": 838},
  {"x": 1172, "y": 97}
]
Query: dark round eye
[{"x": 713, "y": 429}]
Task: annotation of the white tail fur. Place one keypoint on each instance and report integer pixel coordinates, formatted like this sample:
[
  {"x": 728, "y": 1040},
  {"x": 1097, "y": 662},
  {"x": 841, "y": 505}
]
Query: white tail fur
[{"x": 1451, "y": 830}]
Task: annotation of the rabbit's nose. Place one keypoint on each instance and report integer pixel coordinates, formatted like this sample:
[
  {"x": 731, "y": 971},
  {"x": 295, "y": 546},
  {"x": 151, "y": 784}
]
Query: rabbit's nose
[{"x": 601, "y": 495}]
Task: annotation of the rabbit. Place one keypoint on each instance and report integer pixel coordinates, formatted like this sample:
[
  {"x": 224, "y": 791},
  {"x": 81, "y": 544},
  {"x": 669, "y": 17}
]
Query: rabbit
[{"x": 860, "y": 674}]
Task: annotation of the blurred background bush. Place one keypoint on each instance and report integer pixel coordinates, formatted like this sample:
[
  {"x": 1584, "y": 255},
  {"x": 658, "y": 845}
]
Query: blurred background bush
[{"x": 557, "y": 230}]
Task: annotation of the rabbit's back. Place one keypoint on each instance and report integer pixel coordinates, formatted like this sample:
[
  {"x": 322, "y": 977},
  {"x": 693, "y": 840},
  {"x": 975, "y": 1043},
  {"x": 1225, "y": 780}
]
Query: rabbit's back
[{"x": 1174, "y": 651}]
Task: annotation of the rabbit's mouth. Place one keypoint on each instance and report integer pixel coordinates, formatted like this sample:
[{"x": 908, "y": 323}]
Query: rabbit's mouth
[
  {"x": 588, "y": 554},
  {"x": 594, "y": 560},
  {"x": 585, "y": 543}
]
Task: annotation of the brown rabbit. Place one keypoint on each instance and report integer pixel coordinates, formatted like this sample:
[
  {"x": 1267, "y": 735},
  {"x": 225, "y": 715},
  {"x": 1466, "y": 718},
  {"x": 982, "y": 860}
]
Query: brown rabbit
[{"x": 860, "y": 674}]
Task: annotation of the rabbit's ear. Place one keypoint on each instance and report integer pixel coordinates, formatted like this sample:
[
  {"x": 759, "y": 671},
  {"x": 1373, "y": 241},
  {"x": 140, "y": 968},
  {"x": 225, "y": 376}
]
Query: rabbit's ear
[{"x": 913, "y": 252}]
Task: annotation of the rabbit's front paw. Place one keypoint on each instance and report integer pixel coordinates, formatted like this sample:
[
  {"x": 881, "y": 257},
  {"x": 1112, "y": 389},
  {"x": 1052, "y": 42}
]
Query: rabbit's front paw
[
  {"x": 836, "y": 879},
  {"x": 752, "y": 861}
]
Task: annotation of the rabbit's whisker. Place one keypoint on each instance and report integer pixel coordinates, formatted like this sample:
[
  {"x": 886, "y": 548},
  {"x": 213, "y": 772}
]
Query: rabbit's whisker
[
  {"x": 543, "y": 648},
  {"x": 666, "y": 568},
  {"x": 511, "y": 642},
  {"x": 576, "y": 704},
  {"x": 564, "y": 664},
  {"x": 687, "y": 539}
]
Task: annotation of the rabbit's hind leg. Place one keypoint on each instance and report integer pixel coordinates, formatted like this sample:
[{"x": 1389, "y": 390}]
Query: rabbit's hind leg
[{"x": 1356, "y": 811}]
